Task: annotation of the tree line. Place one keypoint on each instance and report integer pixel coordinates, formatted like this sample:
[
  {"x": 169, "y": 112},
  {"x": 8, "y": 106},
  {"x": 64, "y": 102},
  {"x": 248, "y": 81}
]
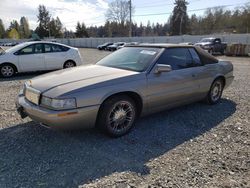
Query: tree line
[{"x": 214, "y": 20}]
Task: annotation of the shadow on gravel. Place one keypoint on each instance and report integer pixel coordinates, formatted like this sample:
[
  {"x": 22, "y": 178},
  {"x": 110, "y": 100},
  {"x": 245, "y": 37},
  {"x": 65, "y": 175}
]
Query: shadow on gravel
[
  {"x": 23, "y": 76},
  {"x": 32, "y": 156}
]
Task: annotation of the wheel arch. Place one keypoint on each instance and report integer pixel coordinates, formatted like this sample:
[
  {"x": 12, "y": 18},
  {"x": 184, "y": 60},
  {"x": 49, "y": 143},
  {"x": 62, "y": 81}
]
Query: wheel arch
[
  {"x": 9, "y": 63},
  {"x": 220, "y": 77},
  {"x": 68, "y": 60},
  {"x": 137, "y": 98}
]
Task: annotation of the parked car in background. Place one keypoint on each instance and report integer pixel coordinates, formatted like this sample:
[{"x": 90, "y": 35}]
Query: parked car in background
[
  {"x": 104, "y": 46},
  {"x": 212, "y": 45},
  {"x": 38, "y": 56},
  {"x": 131, "y": 82},
  {"x": 186, "y": 43},
  {"x": 128, "y": 43},
  {"x": 115, "y": 46}
]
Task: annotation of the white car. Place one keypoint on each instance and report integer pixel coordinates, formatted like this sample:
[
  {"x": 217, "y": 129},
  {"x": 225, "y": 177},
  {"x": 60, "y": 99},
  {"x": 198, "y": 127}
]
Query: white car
[{"x": 38, "y": 56}]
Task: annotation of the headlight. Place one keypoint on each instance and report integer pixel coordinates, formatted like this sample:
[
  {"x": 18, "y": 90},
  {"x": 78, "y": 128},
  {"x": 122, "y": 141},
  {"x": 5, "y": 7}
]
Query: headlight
[{"x": 58, "y": 104}]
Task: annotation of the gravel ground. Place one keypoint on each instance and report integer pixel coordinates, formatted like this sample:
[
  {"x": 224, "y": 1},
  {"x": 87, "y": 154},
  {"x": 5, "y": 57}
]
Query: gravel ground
[{"x": 191, "y": 146}]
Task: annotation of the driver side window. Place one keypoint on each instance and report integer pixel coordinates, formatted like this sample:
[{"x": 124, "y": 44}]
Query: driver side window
[
  {"x": 26, "y": 50},
  {"x": 178, "y": 58}
]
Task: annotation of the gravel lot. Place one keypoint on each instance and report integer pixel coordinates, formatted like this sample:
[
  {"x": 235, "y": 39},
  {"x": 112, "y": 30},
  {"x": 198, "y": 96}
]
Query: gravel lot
[{"x": 192, "y": 146}]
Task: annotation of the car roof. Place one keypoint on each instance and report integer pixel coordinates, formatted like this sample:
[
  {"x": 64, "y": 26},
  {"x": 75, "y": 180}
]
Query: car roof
[
  {"x": 204, "y": 56},
  {"x": 25, "y": 44},
  {"x": 44, "y": 42},
  {"x": 159, "y": 45}
]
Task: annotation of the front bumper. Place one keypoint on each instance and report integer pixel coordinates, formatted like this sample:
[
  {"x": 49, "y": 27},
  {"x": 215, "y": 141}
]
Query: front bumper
[{"x": 64, "y": 119}]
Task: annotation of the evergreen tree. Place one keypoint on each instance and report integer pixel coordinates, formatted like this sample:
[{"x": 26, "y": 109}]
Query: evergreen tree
[
  {"x": 56, "y": 28},
  {"x": 43, "y": 16},
  {"x": 2, "y": 29},
  {"x": 24, "y": 28},
  {"x": 81, "y": 30},
  {"x": 179, "y": 19}
]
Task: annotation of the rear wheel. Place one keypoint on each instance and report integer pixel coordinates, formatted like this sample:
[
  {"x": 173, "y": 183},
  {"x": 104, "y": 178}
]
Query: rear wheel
[
  {"x": 215, "y": 93},
  {"x": 69, "y": 64},
  {"x": 7, "y": 70},
  {"x": 117, "y": 115}
]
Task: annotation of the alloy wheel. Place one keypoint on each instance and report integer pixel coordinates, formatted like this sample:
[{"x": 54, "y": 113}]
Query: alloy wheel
[
  {"x": 7, "y": 71},
  {"x": 216, "y": 91},
  {"x": 69, "y": 64},
  {"x": 121, "y": 117}
]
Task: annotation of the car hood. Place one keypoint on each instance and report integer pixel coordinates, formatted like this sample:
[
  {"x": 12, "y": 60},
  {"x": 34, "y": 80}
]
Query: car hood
[{"x": 78, "y": 77}]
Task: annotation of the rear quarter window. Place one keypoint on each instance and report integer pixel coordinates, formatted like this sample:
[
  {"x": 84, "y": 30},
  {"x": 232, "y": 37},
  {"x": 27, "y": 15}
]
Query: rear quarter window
[{"x": 205, "y": 57}]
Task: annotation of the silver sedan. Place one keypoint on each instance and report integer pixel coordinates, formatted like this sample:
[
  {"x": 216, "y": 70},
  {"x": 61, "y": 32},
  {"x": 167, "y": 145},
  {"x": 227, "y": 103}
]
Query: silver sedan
[{"x": 132, "y": 82}]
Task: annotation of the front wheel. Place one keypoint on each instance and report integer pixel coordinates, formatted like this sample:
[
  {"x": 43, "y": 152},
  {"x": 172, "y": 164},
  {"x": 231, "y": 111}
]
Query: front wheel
[
  {"x": 7, "y": 71},
  {"x": 117, "y": 115},
  {"x": 215, "y": 93}
]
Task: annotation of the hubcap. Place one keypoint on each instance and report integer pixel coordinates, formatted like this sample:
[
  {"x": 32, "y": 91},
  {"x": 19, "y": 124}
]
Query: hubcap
[
  {"x": 216, "y": 91},
  {"x": 121, "y": 116},
  {"x": 69, "y": 64},
  {"x": 7, "y": 71}
]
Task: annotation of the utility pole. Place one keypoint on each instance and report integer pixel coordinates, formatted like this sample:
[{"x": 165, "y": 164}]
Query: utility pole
[{"x": 130, "y": 18}]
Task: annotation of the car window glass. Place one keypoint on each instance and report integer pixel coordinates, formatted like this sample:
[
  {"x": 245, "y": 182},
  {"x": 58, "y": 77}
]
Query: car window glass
[
  {"x": 195, "y": 56},
  {"x": 27, "y": 50},
  {"x": 38, "y": 48},
  {"x": 56, "y": 48},
  {"x": 131, "y": 58},
  {"x": 178, "y": 58},
  {"x": 47, "y": 48}
]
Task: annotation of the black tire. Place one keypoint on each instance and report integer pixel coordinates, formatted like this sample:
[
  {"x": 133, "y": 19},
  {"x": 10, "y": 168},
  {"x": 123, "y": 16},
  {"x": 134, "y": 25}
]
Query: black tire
[
  {"x": 69, "y": 64},
  {"x": 117, "y": 115},
  {"x": 215, "y": 92},
  {"x": 7, "y": 70}
]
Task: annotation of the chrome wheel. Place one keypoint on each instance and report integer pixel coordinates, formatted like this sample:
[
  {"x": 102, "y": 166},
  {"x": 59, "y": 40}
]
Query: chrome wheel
[
  {"x": 7, "y": 71},
  {"x": 69, "y": 64},
  {"x": 216, "y": 91},
  {"x": 121, "y": 117}
]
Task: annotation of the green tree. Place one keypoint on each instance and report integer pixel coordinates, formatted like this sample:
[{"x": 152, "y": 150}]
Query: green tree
[
  {"x": 56, "y": 27},
  {"x": 13, "y": 34},
  {"x": 43, "y": 16},
  {"x": 14, "y": 25},
  {"x": 81, "y": 30},
  {"x": 2, "y": 29},
  {"x": 24, "y": 28},
  {"x": 179, "y": 18}
]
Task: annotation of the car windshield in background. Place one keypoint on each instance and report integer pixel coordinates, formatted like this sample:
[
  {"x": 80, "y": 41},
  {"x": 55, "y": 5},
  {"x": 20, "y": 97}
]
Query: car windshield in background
[
  {"x": 206, "y": 40},
  {"x": 130, "y": 58}
]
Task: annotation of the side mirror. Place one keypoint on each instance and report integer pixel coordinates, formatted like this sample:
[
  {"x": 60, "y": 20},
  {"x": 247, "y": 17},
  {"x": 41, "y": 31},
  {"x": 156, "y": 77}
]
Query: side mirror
[{"x": 162, "y": 68}]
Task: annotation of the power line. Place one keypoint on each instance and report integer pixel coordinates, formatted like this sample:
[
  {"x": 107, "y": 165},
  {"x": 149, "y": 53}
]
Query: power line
[
  {"x": 162, "y": 4},
  {"x": 193, "y": 10}
]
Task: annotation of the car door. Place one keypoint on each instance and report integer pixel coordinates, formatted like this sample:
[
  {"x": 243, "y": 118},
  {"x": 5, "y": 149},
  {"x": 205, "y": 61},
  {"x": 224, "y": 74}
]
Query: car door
[
  {"x": 172, "y": 88},
  {"x": 31, "y": 58},
  {"x": 54, "y": 56},
  {"x": 203, "y": 74}
]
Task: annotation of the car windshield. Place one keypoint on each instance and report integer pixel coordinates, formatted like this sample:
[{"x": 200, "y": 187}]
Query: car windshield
[
  {"x": 206, "y": 40},
  {"x": 130, "y": 58}
]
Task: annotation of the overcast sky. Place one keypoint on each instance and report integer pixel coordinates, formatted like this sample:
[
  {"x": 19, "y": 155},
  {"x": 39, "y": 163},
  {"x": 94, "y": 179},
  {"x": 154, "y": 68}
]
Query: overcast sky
[{"x": 92, "y": 12}]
